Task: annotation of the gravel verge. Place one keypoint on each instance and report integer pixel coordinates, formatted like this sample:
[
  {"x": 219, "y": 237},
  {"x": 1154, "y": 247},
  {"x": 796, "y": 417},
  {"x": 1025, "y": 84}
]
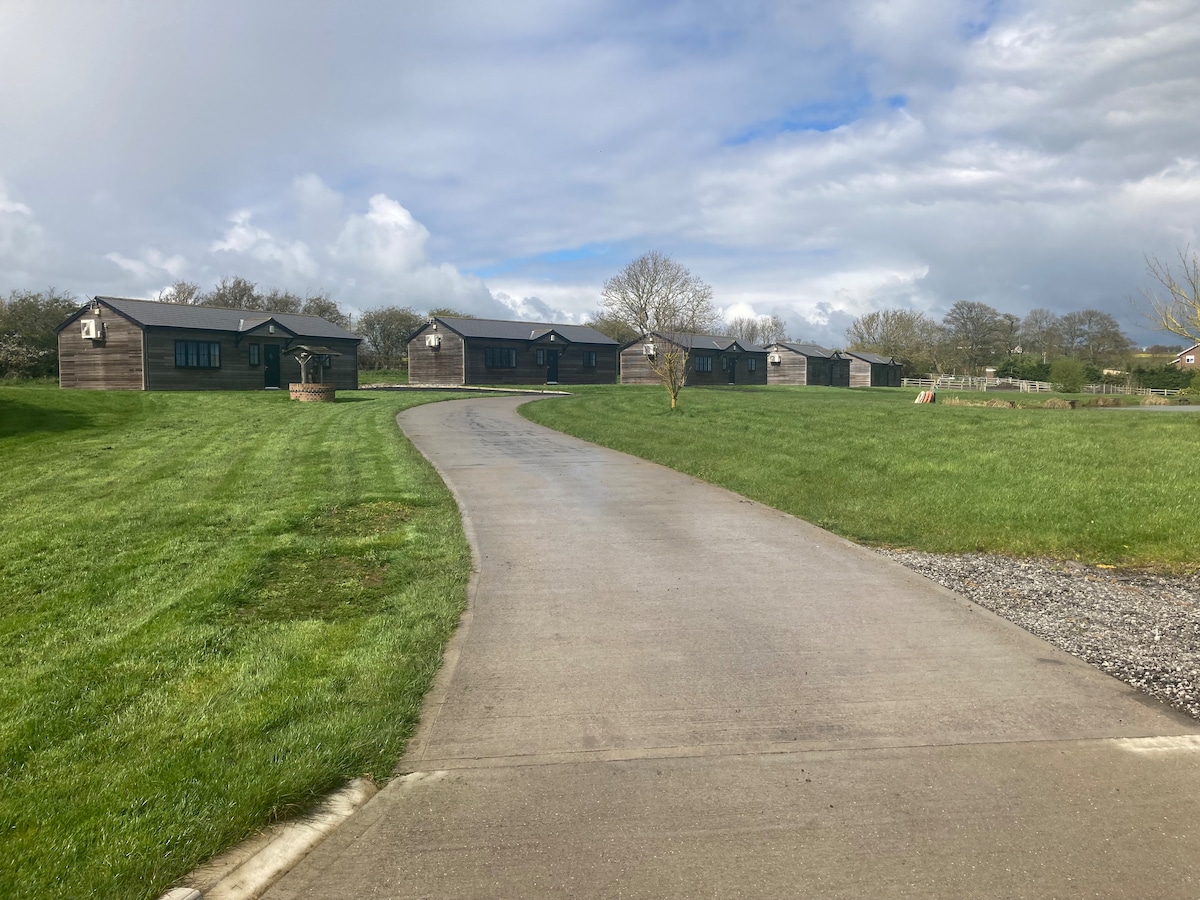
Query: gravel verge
[{"x": 1143, "y": 629}]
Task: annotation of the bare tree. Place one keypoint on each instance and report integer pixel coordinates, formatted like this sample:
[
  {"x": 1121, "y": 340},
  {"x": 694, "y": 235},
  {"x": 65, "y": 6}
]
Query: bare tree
[
  {"x": 1010, "y": 333},
  {"x": 975, "y": 330},
  {"x": 613, "y": 328},
  {"x": 745, "y": 328},
  {"x": 655, "y": 295},
  {"x": 187, "y": 292},
  {"x": 910, "y": 337},
  {"x": 757, "y": 329},
  {"x": 1040, "y": 333},
  {"x": 1175, "y": 302},
  {"x": 773, "y": 328},
  {"x": 1094, "y": 337}
]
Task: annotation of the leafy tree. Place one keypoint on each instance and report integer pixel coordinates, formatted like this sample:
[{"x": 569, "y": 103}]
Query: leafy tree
[
  {"x": 449, "y": 313},
  {"x": 1068, "y": 375},
  {"x": 1025, "y": 367},
  {"x": 975, "y": 331},
  {"x": 233, "y": 293},
  {"x": 1175, "y": 302},
  {"x": 278, "y": 301},
  {"x": 911, "y": 337},
  {"x": 1162, "y": 378},
  {"x": 385, "y": 335},
  {"x": 655, "y": 294},
  {"x": 322, "y": 305},
  {"x": 28, "y": 344}
]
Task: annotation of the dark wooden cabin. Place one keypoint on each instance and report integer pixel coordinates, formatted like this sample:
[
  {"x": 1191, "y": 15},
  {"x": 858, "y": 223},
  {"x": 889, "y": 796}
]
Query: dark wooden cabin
[
  {"x": 450, "y": 350},
  {"x": 790, "y": 363},
  {"x": 872, "y": 370},
  {"x": 712, "y": 359},
  {"x": 113, "y": 343}
]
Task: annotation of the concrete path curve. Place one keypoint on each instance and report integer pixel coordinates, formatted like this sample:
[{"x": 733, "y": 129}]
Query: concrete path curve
[{"x": 664, "y": 690}]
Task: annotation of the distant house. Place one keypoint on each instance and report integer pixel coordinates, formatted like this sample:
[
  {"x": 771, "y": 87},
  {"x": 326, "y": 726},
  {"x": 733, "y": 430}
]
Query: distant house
[
  {"x": 789, "y": 363},
  {"x": 1187, "y": 359},
  {"x": 872, "y": 370},
  {"x": 113, "y": 343},
  {"x": 451, "y": 350},
  {"x": 712, "y": 359}
]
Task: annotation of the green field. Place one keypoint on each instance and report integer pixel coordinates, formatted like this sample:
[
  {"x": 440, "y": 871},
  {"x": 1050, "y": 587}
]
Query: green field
[
  {"x": 217, "y": 607},
  {"x": 1098, "y": 486}
]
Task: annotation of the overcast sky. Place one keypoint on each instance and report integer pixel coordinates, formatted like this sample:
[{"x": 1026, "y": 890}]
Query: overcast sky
[{"x": 816, "y": 160}]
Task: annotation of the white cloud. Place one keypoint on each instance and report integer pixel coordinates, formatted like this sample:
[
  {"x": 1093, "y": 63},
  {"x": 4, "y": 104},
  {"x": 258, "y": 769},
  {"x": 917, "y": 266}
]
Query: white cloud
[
  {"x": 293, "y": 258},
  {"x": 23, "y": 244},
  {"x": 151, "y": 264}
]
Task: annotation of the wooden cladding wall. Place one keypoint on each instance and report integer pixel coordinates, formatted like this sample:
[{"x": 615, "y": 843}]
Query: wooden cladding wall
[
  {"x": 571, "y": 369},
  {"x": 113, "y": 364},
  {"x": 792, "y": 368},
  {"x": 235, "y": 372},
  {"x": 866, "y": 374},
  {"x": 636, "y": 369},
  {"x": 441, "y": 366}
]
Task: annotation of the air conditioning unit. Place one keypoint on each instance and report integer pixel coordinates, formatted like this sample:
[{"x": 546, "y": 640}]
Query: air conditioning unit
[
  {"x": 433, "y": 340},
  {"x": 775, "y": 359},
  {"x": 649, "y": 350},
  {"x": 91, "y": 329}
]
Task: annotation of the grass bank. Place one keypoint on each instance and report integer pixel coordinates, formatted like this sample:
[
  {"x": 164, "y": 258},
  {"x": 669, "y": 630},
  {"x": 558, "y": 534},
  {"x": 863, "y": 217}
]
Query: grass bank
[
  {"x": 1099, "y": 486},
  {"x": 217, "y": 608}
]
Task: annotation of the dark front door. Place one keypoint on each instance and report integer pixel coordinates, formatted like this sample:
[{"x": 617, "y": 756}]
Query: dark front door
[
  {"x": 732, "y": 361},
  {"x": 271, "y": 365},
  {"x": 552, "y": 367}
]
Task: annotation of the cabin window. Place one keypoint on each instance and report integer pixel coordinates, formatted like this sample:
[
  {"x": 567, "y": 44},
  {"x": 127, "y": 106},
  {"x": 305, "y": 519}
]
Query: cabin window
[
  {"x": 589, "y": 359},
  {"x": 499, "y": 358},
  {"x": 751, "y": 364},
  {"x": 541, "y": 356},
  {"x": 197, "y": 355},
  {"x": 1189, "y": 359},
  {"x": 703, "y": 363},
  {"x": 256, "y": 354}
]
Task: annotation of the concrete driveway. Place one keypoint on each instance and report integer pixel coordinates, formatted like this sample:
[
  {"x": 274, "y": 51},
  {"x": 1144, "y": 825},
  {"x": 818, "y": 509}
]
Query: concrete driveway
[{"x": 664, "y": 690}]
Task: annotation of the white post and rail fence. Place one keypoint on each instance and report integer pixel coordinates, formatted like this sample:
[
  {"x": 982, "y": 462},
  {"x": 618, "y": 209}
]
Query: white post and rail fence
[{"x": 973, "y": 383}]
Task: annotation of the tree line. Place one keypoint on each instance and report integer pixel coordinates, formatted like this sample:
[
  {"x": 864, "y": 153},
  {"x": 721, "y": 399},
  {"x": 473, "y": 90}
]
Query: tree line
[{"x": 973, "y": 336}]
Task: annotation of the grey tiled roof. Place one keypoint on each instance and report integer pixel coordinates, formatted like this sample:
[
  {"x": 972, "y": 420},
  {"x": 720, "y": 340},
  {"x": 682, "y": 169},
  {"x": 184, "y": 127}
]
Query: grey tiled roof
[
  {"x": 154, "y": 314},
  {"x": 708, "y": 341},
  {"x": 504, "y": 330},
  {"x": 809, "y": 350},
  {"x": 871, "y": 357}
]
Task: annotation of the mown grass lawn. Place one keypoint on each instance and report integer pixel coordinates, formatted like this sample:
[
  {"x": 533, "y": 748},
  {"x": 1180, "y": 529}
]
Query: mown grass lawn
[
  {"x": 1099, "y": 486},
  {"x": 216, "y": 607}
]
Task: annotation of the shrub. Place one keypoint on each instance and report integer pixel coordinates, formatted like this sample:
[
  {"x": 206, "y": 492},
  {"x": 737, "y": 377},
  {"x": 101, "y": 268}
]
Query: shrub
[
  {"x": 1068, "y": 375},
  {"x": 1057, "y": 403},
  {"x": 1155, "y": 400}
]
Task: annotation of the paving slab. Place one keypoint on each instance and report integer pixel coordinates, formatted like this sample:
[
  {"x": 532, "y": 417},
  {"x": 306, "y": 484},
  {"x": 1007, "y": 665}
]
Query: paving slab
[{"x": 662, "y": 689}]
